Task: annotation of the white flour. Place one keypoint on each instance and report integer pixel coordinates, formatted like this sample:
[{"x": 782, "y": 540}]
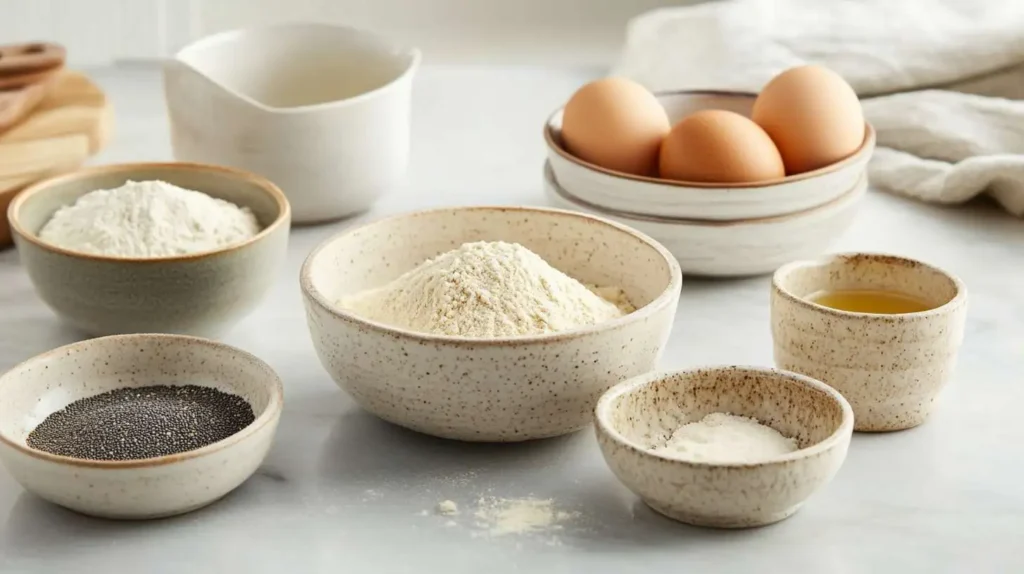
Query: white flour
[
  {"x": 447, "y": 508},
  {"x": 488, "y": 289},
  {"x": 500, "y": 516},
  {"x": 726, "y": 438},
  {"x": 148, "y": 219}
]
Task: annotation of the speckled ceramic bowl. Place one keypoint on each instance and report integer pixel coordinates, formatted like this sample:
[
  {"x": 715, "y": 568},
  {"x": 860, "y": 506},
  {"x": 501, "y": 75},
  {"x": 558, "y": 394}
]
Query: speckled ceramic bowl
[
  {"x": 891, "y": 368},
  {"x": 496, "y": 390},
  {"x": 135, "y": 489},
  {"x": 642, "y": 413},
  {"x": 198, "y": 294}
]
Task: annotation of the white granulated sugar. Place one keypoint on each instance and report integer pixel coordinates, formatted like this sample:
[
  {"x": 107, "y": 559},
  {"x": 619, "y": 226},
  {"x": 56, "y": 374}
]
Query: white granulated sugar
[
  {"x": 148, "y": 219},
  {"x": 726, "y": 438},
  {"x": 500, "y": 516},
  {"x": 488, "y": 289},
  {"x": 447, "y": 508}
]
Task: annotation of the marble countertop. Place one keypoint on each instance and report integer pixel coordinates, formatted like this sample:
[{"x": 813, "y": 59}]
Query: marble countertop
[{"x": 343, "y": 492}]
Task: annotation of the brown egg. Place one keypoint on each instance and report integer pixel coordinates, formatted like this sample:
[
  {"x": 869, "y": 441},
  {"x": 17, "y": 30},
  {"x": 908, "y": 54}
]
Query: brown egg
[
  {"x": 813, "y": 116},
  {"x": 616, "y": 124},
  {"x": 716, "y": 146}
]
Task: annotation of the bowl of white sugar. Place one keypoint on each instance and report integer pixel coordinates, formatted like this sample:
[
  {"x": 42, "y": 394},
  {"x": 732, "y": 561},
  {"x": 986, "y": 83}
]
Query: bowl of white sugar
[
  {"x": 725, "y": 447},
  {"x": 494, "y": 324},
  {"x": 152, "y": 247}
]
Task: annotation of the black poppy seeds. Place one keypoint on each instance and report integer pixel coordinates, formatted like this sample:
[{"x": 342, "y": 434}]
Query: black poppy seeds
[{"x": 142, "y": 422}]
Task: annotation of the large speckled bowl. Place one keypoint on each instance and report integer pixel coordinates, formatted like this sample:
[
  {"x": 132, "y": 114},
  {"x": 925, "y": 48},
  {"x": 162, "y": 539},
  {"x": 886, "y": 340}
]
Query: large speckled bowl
[
  {"x": 495, "y": 390},
  {"x": 642, "y": 413},
  {"x": 891, "y": 368},
  {"x": 145, "y": 488},
  {"x": 197, "y": 294}
]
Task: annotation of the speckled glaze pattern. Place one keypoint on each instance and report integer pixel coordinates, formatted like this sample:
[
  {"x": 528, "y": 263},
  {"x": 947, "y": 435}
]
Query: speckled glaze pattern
[
  {"x": 892, "y": 368},
  {"x": 202, "y": 294},
  {"x": 137, "y": 489},
  {"x": 642, "y": 413},
  {"x": 494, "y": 390}
]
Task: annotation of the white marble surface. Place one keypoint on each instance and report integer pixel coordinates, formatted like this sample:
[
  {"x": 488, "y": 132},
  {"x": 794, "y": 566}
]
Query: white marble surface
[{"x": 343, "y": 492}]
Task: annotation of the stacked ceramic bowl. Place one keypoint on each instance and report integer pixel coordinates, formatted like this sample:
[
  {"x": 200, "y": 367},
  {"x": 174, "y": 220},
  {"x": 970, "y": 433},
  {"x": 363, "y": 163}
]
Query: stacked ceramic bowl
[{"x": 716, "y": 229}]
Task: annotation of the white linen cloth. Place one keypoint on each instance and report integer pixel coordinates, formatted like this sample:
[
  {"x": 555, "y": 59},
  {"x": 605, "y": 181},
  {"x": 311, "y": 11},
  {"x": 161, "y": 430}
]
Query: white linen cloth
[{"x": 940, "y": 80}]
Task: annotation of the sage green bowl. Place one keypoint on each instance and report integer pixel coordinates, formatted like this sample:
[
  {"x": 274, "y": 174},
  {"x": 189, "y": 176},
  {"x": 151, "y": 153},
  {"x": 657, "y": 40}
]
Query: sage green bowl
[{"x": 200, "y": 294}]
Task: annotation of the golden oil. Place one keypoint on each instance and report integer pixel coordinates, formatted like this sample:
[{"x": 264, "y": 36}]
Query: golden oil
[{"x": 869, "y": 301}]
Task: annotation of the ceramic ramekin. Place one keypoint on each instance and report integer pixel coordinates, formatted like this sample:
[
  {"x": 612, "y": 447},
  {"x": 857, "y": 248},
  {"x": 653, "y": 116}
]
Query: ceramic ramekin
[
  {"x": 890, "y": 367},
  {"x": 642, "y": 413},
  {"x": 135, "y": 489},
  {"x": 502, "y": 389},
  {"x": 640, "y": 196},
  {"x": 742, "y": 247},
  {"x": 197, "y": 294}
]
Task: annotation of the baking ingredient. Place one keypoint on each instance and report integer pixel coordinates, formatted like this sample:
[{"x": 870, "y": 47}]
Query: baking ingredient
[
  {"x": 813, "y": 116},
  {"x": 726, "y": 438},
  {"x": 718, "y": 146},
  {"x": 488, "y": 289},
  {"x": 142, "y": 422},
  {"x": 447, "y": 508},
  {"x": 616, "y": 124},
  {"x": 501, "y": 516},
  {"x": 148, "y": 219},
  {"x": 869, "y": 301}
]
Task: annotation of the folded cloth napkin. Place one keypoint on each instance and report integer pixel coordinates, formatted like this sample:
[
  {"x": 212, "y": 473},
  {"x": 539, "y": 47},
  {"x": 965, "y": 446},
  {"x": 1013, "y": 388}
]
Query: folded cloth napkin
[{"x": 940, "y": 80}]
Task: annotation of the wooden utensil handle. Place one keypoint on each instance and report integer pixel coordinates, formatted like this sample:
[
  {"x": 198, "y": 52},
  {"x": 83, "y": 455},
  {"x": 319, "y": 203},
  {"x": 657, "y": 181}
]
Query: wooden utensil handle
[{"x": 34, "y": 57}]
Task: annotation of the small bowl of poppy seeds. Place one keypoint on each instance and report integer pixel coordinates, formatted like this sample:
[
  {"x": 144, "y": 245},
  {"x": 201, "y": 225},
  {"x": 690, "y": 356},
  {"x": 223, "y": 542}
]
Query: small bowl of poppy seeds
[{"x": 137, "y": 426}]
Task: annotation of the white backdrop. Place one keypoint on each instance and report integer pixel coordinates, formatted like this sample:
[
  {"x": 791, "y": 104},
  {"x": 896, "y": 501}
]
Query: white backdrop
[{"x": 99, "y": 32}]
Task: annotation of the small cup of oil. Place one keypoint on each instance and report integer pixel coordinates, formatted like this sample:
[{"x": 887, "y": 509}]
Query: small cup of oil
[{"x": 882, "y": 330}]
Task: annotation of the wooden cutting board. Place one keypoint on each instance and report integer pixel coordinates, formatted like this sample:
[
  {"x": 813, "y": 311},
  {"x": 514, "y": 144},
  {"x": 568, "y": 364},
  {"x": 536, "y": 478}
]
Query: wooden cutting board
[{"x": 72, "y": 123}]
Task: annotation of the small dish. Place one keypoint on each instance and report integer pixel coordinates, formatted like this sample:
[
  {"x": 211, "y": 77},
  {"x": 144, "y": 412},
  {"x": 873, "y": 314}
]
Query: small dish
[
  {"x": 322, "y": 110},
  {"x": 196, "y": 294},
  {"x": 146, "y": 488},
  {"x": 736, "y": 248},
  {"x": 641, "y": 413},
  {"x": 637, "y": 195},
  {"x": 892, "y": 368},
  {"x": 489, "y": 390}
]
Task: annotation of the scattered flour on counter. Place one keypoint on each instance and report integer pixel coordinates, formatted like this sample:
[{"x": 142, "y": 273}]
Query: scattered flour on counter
[
  {"x": 501, "y": 516},
  {"x": 726, "y": 438},
  {"x": 447, "y": 508},
  {"x": 488, "y": 289},
  {"x": 148, "y": 219}
]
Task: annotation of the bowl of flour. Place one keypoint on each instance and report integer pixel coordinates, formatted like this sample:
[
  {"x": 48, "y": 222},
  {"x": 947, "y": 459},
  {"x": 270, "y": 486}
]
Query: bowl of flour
[
  {"x": 725, "y": 447},
  {"x": 495, "y": 324},
  {"x": 152, "y": 247}
]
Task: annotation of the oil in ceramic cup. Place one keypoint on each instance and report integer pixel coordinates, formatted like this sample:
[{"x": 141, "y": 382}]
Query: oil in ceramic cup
[{"x": 890, "y": 367}]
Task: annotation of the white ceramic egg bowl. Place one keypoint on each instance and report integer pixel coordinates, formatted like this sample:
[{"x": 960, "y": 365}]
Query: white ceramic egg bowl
[
  {"x": 146, "y": 488},
  {"x": 638, "y": 195},
  {"x": 744, "y": 247}
]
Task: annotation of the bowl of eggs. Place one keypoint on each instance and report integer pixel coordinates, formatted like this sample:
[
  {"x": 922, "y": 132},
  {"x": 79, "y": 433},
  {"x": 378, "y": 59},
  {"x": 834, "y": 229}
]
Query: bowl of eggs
[{"x": 732, "y": 183}]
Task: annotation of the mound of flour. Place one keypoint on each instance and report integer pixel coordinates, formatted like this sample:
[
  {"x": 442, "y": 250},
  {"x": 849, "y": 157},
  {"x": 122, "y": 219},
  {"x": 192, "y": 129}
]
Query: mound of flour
[{"x": 488, "y": 289}]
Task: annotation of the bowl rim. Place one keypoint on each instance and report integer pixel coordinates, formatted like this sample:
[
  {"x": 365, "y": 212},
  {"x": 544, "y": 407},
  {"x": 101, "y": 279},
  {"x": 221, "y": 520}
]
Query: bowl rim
[
  {"x": 859, "y": 186},
  {"x": 602, "y": 414},
  {"x": 273, "y": 410},
  {"x": 778, "y": 277},
  {"x": 866, "y": 145},
  {"x": 670, "y": 293},
  {"x": 262, "y": 183}
]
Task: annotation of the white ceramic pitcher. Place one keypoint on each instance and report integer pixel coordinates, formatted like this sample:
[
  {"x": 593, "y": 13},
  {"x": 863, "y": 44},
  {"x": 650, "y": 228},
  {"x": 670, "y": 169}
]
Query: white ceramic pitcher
[{"x": 321, "y": 110}]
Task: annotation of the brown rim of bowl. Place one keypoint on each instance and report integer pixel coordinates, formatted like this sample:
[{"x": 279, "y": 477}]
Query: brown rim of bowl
[
  {"x": 273, "y": 409},
  {"x": 958, "y": 299},
  {"x": 283, "y": 207},
  {"x": 549, "y": 137},
  {"x": 663, "y": 299},
  {"x": 604, "y": 405},
  {"x": 858, "y": 187}
]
